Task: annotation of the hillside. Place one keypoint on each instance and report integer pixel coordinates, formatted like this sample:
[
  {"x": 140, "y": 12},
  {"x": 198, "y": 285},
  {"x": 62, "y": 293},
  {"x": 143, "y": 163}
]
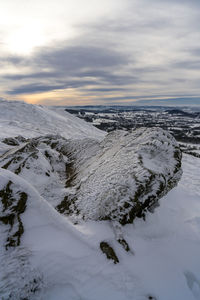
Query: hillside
[
  {"x": 19, "y": 118},
  {"x": 50, "y": 251}
]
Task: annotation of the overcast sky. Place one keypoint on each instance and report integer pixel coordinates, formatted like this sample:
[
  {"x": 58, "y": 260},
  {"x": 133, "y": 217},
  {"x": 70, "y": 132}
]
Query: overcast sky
[{"x": 79, "y": 52}]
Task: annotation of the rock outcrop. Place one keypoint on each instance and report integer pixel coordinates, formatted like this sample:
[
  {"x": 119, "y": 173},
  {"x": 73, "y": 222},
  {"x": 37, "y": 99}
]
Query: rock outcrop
[
  {"x": 118, "y": 179},
  {"x": 125, "y": 176}
]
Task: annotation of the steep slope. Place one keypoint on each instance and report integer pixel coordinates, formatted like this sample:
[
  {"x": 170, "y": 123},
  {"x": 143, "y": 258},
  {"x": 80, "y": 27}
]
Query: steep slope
[
  {"x": 27, "y": 223},
  {"x": 58, "y": 260},
  {"x": 42, "y": 161},
  {"x": 19, "y": 118},
  {"x": 118, "y": 179},
  {"x": 44, "y": 256}
]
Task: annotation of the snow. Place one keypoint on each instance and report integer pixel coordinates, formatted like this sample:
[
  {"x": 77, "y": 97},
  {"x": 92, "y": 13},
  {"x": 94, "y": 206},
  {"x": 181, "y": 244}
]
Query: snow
[
  {"x": 19, "y": 118},
  {"x": 66, "y": 259},
  {"x": 165, "y": 262},
  {"x": 127, "y": 166}
]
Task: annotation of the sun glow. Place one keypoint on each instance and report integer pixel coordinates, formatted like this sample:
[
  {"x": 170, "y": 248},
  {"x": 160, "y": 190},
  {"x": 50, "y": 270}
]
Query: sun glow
[
  {"x": 24, "y": 39},
  {"x": 57, "y": 97}
]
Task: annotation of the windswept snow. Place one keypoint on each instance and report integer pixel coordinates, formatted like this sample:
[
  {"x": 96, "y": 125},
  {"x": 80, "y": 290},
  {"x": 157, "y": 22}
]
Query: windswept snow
[
  {"x": 127, "y": 176},
  {"x": 118, "y": 179},
  {"x": 70, "y": 265},
  {"x": 60, "y": 260},
  {"x": 19, "y": 118}
]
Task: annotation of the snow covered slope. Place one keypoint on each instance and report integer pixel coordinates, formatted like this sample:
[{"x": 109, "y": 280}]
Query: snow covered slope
[
  {"x": 118, "y": 179},
  {"x": 44, "y": 256},
  {"x": 19, "y": 118},
  {"x": 58, "y": 260}
]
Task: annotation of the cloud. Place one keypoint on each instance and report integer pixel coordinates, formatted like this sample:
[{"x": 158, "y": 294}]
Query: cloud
[
  {"x": 144, "y": 50},
  {"x": 114, "y": 89},
  {"x": 33, "y": 75},
  {"x": 187, "y": 101},
  {"x": 175, "y": 2},
  {"x": 37, "y": 88},
  {"x": 69, "y": 67},
  {"x": 32, "y": 88},
  {"x": 195, "y": 52},
  {"x": 187, "y": 65},
  {"x": 71, "y": 58},
  {"x": 11, "y": 60}
]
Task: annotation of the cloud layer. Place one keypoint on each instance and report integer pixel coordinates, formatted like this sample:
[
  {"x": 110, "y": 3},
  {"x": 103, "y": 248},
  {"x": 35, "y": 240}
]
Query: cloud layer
[{"x": 143, "y": 51}]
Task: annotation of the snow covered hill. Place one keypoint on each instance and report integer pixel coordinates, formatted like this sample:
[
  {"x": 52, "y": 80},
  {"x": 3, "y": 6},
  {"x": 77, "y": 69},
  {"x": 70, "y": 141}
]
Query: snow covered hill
[
  {"x": 46, "y": 256},
  {"x": 19, "y": 118}
]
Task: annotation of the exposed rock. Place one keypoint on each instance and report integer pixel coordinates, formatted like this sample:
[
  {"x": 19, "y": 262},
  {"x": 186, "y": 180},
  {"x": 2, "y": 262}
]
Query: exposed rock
[
  {"x": 41, "y": 161},
  {"x": 47, "y": 163},
  {"x": 124, "y": 244},
  {"x": 118, "y": 179},
  {"x": 125, "y": 176},
  {"x": 14, "y": 141},
  {"x": 109, "y": 252},
  {"x": 13, "y": 205}
]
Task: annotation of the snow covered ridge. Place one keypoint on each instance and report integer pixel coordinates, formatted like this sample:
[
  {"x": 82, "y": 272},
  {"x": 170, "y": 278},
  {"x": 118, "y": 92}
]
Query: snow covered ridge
[
  {"x": 124, "y": 177},
  {"x": 20, "y": 118},
  {"x": 118, "y": 179},
  {"x": 42, "y": 161},
  {"x": 18, "y": 280}
]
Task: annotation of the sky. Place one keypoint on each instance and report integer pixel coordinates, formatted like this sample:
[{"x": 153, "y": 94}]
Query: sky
[{"x": 81, "y": 52}]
